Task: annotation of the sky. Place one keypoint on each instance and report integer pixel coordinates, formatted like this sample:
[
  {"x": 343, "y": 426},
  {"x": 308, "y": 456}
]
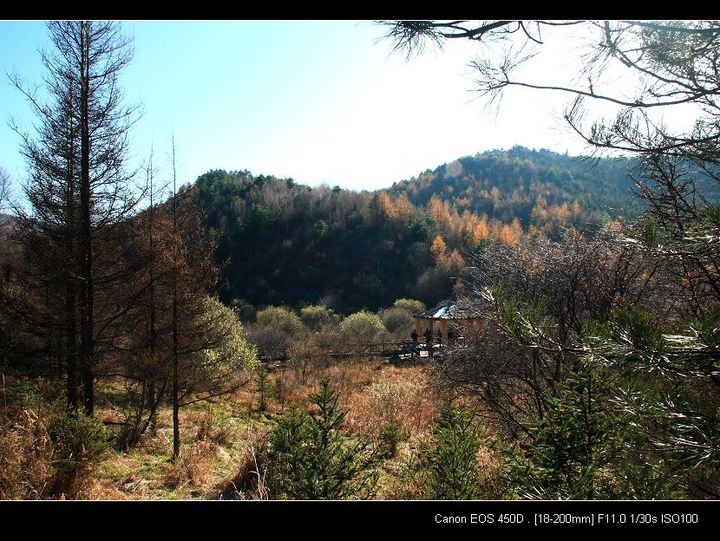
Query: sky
[{"x": 323, "y": 102}]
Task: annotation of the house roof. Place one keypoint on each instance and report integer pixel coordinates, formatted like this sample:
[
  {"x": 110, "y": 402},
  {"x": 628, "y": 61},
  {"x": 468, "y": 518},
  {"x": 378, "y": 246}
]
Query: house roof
[{"x": 450, "y": 310}]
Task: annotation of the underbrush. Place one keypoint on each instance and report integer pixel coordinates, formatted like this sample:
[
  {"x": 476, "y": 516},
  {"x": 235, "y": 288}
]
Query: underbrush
[
  {"x": 225, "y": 454},
  {"x": 45, "y": 451}
]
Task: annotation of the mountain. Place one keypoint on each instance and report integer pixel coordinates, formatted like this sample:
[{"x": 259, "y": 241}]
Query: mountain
[
  {"x": 284, "y": 243},
  {"x": 507, "y": 184}
]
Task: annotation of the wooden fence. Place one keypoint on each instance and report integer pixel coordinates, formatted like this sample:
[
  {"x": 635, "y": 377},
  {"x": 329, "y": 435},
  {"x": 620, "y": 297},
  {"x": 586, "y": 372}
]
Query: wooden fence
[{"x": 336, "y": 350}]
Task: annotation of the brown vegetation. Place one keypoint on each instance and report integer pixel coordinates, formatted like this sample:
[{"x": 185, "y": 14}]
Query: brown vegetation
[{"x": 223, "y": 455}]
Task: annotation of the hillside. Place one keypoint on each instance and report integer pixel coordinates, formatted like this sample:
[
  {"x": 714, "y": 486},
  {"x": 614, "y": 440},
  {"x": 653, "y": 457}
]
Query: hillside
[
  {"x": 509, "y": 184},
  {"x": 285, "y": 243}
]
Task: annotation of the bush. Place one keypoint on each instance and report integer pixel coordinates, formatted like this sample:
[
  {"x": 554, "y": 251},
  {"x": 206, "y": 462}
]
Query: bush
[
  {"x": 78, "y": 437},
  {"x": 390, "y": 436},
  {"x": 78, "y": 443},
  {"x": 214, "y": 426},
  {"x": 364, "y": 324},
  {"x": 23, "y": 392},
  {"x": 276, "y": 327},
  {"x": 268, "y": 338},
  {"x": 243, "y": 309},
  {"x": 397, "y": 320},
  {"x": 318, "y": 318},
  {"x": 584, "y": 448},
  {"x": 45, "y": 451},
  {"x": 282, "y": 319},
  {"x": 263, "y": 387},
  {"x": 410, "y": 305},
  {"x": 309, "y": 458},
  {"x": 306, "y": 356},
  {"x": 451, "y": 462}
]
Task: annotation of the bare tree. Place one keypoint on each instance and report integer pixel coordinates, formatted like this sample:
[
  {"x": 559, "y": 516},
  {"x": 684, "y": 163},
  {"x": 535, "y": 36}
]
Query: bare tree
[
  {"x": 175, "y": 359},
  {"x": 4, "y": 189},
  {"x": 79, "y": 190},
  {"x": 209, "y": 356},
  {"x": 139, "y": 355},
  {"x": 541, "y": 299},
  {"x": 672, "y": 63}
]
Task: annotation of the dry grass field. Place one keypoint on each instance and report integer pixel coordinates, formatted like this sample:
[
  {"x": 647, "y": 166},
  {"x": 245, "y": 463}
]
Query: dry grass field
[{"x": 220, "y": 439}]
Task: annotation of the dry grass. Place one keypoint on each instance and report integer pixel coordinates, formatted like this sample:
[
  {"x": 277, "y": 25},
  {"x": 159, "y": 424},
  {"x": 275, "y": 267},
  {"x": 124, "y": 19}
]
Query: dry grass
[
  {"x": 399, "y": 396},
  {"x": 214, "y": 437},
  {"x": 194, "y": 467},
  {"x": 249, "y": 481},
  {"x": 37, "y": 457},
  {"x": 222, "y": 453},
  {"x": 377, "y": 394},
  {"x": 26, "y": 470},
  {"x": 490, "y": 470},
  {"x": 98, "y": 490}
]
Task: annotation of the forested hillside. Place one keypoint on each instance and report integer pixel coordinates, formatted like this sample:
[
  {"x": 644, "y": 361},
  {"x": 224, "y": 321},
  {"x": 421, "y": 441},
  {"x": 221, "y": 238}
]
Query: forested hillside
[
  {"x": 522, "y": 183},
  {"x": 285, "y": 243}
]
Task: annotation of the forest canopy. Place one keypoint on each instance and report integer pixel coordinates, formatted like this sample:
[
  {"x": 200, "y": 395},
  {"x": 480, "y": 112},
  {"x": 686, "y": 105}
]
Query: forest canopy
[{"x": 353, "y": 250}]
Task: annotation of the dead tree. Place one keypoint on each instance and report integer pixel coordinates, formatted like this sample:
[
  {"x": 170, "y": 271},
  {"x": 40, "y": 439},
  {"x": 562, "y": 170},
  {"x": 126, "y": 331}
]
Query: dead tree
[{"x": 79, "y": 190}]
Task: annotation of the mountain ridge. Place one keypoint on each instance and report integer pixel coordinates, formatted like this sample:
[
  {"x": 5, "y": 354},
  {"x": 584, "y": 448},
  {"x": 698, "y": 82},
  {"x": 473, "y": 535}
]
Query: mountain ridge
[{"x": 287, "y": 243}]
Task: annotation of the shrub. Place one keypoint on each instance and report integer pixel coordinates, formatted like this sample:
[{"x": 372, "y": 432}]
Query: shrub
[
  {"x": 318, "y": 318},
  {"x": 78, "y": 443},
  {"x": 364, "y": 324},
  {"x": 268, "y": 338},
  {"x": 309, "y": 457},
  {"x": 243, "y": 309},
  {"x": 306, "y": 355},
  {"x": 407, "y": 482},
  {"x": 397, "y": 320},
  {"x": 45, "y": 451},
  {"x": 214, "y": 426},
  {"x": 282, "y": 319},
  {"x": 263, "y": 387},
  {"x": 451, "y": 462},
  {"x": 78, "y": 437},
  {"x": 410, "y": 305},
  {"x": 279, "y": 390},
  {"x": 585, "y": 448},
  {"x": 390, "y": 436},
  {"x": 23, "y": 392},
  {"x": 276, "y": 327}
]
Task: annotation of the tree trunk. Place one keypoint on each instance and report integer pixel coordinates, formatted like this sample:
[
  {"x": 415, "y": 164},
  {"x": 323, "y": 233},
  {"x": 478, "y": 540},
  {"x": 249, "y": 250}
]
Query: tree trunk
[
  {"x": 175, "y": 383},
  {"x": 175, "y": 360},
  {"x": 86, "y": 295},
  {"x": 71, "y": 294},
  {"x": 71, "y": 361}
]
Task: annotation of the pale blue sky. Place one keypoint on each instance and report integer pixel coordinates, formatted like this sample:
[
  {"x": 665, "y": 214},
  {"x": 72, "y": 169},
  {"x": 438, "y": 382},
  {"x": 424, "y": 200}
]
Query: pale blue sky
[{"x": 322, "y": 102}]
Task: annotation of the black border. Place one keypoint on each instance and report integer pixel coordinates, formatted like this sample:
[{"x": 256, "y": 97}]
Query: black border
[
  {"x": 357, "y": 10},
  {"x": 240, "y": 518},
  {"x": 243, "y": 518}
]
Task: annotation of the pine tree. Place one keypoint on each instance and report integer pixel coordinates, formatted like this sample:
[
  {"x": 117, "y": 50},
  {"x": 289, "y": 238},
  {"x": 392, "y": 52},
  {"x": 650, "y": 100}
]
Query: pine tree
[
  {"x": 451, "y": 462},
  {"x": 311, "y": 458}
]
